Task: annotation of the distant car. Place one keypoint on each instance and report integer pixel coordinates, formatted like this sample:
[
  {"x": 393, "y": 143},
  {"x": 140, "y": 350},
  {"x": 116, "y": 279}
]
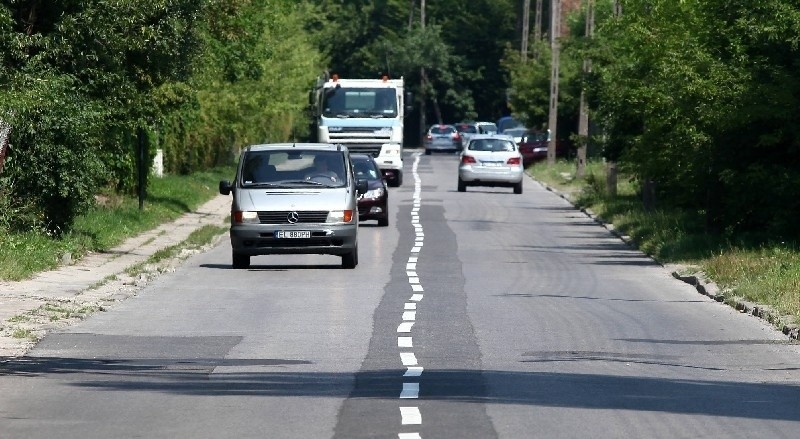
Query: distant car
[
  {"x": 517, "y": 133},
  {"x": 487, "y": 128},
  {"x": 490, "y": 160},
  {"x": 465, "y": 130},
  {"x": 442, "y": 138},
  {"x": 534, "y": 145},
  {"x": 507, "y": 122},
  {"x": 374, "y": 203}
]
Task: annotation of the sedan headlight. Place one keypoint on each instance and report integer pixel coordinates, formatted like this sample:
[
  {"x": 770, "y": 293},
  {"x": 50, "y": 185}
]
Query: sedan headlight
[
  {"x": 339, "y": 216},
  {"x": 374, "y": 193}
]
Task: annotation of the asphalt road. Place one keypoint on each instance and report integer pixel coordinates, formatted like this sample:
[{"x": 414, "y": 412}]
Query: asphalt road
[{"x": 473, "y": 315}]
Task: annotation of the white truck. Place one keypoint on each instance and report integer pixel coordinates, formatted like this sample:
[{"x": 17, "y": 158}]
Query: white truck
[{"x": 366, "y": 115}]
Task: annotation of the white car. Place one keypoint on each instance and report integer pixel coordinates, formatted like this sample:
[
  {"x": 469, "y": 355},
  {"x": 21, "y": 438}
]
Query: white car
[{"x": 490, "y": 160}]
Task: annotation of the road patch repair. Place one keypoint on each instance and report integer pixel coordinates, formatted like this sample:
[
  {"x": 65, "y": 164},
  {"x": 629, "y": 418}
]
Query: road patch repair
[{"x": 31, "y": 308}]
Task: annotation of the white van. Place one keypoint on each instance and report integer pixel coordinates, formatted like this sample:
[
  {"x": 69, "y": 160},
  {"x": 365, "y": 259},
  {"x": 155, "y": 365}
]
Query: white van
[{"x": 294, "y": 199}]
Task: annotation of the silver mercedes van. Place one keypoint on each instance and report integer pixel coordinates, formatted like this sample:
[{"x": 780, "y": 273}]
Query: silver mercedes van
[{"x": 294, "y": 198}]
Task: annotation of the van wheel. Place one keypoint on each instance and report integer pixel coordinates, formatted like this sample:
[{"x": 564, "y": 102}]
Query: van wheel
[
  {"x": 399, "y": 179},
  {"x": 241, "y": 261},
  {"x": 350, "y": 260},
  {"x": 518, "y": 188}
]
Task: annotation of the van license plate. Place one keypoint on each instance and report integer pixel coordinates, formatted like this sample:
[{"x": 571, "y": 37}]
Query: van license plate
[{"x": 292, "y": 234}]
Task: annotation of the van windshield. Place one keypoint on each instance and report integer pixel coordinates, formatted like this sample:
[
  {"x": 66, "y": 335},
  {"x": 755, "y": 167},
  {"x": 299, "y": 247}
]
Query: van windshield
[{"x": 293, "y": 168}]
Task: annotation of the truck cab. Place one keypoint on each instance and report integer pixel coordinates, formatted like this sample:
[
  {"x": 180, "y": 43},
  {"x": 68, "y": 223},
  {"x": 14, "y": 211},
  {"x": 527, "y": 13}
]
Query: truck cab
[{"x": 366, "y": 115}]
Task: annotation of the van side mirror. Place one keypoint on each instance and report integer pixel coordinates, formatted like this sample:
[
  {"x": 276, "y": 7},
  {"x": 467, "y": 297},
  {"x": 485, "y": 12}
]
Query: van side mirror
[
  {"x": 225, "y": 187},
  {"x": 362, "y": 186}
]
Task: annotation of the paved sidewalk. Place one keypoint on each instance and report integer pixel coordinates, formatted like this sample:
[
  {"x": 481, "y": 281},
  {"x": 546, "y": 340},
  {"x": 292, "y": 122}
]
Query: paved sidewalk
[{"x": 92, "y": 283}]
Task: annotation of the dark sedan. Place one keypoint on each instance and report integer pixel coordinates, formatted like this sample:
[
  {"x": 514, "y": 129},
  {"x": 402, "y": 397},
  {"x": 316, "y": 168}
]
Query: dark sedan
[{"x": 374, "y": 204}]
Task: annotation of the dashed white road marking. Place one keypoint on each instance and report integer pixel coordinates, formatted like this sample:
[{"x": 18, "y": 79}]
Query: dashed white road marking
[
  {"x": 410, "y": 391},
  {"x": 408, "y": 358},
  {"x": 405, "y": 327},
  {"x": 405, "y": 342},
  {"x": 410, "y": 306},
  {"x": 416, "y": 297},
  {"x": 409, "y": 315},
  {"x": 416, "y": 287},
  {"x": 413, "y": 371},
  {"x": 409, "y": 435},
  {"x": 410, "y": 416}
]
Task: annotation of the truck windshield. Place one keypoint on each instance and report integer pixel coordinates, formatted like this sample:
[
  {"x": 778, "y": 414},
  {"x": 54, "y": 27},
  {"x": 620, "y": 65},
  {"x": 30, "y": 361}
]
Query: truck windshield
[{"x": 359, "y": 102}]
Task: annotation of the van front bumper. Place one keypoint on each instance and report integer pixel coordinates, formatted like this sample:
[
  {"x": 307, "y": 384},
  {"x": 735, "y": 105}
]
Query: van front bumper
[{"x": 325, "y": 239}]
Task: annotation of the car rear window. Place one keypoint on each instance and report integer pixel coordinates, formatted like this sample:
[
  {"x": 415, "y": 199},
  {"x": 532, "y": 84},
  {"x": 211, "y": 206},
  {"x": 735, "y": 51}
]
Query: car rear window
[
  {"x": 494, "y": 145},
  {"x": 466, "y": 128},
  {"x": 438, "y": 129}
]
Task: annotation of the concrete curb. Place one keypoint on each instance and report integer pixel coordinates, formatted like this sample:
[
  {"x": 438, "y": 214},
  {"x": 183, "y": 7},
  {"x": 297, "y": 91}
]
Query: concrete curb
[
  {"x": 60, "y": 297},
  {"x": 699, "y": 281}
]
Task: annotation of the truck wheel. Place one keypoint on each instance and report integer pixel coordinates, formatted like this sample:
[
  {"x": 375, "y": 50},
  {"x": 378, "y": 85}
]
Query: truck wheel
[
  {"x": 241, "y": 261},
  {"x": 399, "y": 179}
]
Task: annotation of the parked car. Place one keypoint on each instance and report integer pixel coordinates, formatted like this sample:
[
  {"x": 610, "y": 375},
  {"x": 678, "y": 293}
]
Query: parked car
[
  {"x": 490, "y": 160},
  {"x": 374, "y": 203},
  {"x": 534, "y": 145},
  {"x": 294, "y": 198},
  {"x": 442, "y": 138}
]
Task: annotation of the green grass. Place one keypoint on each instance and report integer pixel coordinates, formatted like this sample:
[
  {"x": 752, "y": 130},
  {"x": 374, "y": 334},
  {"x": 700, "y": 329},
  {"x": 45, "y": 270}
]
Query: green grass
[
  {"x": 114, "y": 219},
  {"x": 764, "y": 273}
]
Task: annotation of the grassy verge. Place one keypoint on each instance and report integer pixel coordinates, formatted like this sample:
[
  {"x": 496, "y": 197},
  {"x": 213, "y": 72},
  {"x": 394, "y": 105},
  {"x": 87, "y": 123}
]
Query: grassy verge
[
  {"x": 764, "y": 273},
  {"x": 114, "y": 219}
]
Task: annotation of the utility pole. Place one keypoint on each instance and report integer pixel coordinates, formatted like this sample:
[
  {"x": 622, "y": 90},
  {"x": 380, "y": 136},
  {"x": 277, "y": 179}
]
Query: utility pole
[
  {"x": 611, "y": 166},
  {"x": 526, "y": 16},
  {"x": 422, "y": 121},
  {"x": 537, "y": 29},
  {"x": 555, "y": 34},
  {"x": 583, "y": 119}
]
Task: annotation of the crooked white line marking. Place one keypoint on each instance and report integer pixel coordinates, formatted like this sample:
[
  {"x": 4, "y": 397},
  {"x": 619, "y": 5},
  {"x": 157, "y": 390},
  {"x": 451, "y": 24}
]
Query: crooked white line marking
[
  {"x": 413, "y": 371},
  {"x": 405, "y": 342},
  {"x": 410, "y": 416},
  {"x": 409, "y": 435},
  {"x": 408, "y": 359},
  {"x": 411, "y": 266},
  {"x": 416, "y": 287},
  {"x": 410, "y": 391},
  {"x": 409, "y": 315},
  {"x": 405, "y": 327},
  {"x": 412, "y": 259},
  {"x": 411, "y": 306},
  {"x": 416, "y": 297}
]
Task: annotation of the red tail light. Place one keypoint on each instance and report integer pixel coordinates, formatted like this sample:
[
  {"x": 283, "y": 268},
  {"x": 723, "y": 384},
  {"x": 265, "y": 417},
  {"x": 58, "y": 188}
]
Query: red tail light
[
  {"x": 456, "y": 136},
  {"x": 428, "y": 137},
  {"x": 513, "y": 161},
  {"x": 467, "y": 160}
]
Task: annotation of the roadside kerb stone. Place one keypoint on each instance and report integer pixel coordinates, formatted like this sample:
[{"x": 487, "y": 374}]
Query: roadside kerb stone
[
  {"x": 785, "y": 324},
  {"x": 98, "y": 279}
]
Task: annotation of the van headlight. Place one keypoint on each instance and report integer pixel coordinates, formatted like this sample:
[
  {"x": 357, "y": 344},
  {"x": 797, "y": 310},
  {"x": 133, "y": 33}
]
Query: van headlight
[
  {"x": 245, "y": 217},
  {"x": 339, "y": 216}
]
